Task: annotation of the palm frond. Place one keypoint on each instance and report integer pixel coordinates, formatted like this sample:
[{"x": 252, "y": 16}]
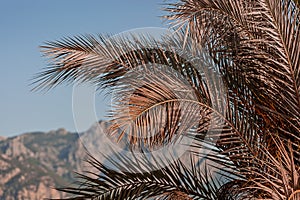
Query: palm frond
[
  {"x": 176, "y": 195},
  {"x": 282, "y": 39},
  {"x": 229, "y": 77},
  {"x": 255, "y": 45},
  {"x": 264, "y": 47},
  {"x": 267, "y": 175},
  {"x": 175, "y": 180},
  {"x": 109, "y": 63},
  {"x": 275, "y": 176},
  {"x": 175, "y": 95}
]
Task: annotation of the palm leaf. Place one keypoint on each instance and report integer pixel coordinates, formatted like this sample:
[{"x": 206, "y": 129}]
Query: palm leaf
[
  {"x": 275, "y": 177},
  {"x": 109, "y": 60},
  {"x": 175, "y": 180},
  {"x": 265, "y": 42},
  {"x": 255, "y": 45},
  {"x": 254, "y": 50},
  {"x": 181, "y": 95}
]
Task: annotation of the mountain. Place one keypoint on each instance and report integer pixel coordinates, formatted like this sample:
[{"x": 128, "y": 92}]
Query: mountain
[{"x": 32, "y": 164}]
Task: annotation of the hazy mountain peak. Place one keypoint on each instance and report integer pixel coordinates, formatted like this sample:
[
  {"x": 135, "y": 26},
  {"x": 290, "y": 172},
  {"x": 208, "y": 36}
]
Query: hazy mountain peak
[{"x": 33, "y": 163}]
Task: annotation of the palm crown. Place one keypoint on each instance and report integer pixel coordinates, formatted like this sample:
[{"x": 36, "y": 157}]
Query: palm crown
[{"x": 242, "y": 104}]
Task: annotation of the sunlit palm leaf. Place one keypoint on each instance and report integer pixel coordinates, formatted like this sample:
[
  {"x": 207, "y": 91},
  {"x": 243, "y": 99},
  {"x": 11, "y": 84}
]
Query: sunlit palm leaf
[
  {"x": 256, "y": 42},
  {"x": 108, "y": 62},
  {"x": 254, "y": 49},
  {"x": 275, "y": 177},
  {"x": 258, "y": 38},
  {"x": 153, "y": 109}
]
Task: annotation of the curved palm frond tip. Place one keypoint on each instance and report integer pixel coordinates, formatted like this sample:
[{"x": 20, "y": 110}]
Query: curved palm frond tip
[{"x": 250, "y": 129}]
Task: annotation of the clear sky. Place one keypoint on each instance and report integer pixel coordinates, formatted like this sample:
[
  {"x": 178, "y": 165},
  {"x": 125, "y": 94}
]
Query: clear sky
[{"x": 24, "y": 25}]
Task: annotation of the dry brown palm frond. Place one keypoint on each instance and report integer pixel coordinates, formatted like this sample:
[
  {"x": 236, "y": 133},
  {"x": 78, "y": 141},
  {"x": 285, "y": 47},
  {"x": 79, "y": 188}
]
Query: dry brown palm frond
[
  {"x": 155, "y": 107},
  {"x": 175, "y": 195},
  {"x": 256, "y": 42},
  {"x": 274, "y": 177},
  {"x": 263, "y": 45},
  {"x": 177, "y": 98},
  {"x": 161, "y": 94},
  {"x": 256, "y": 45}
]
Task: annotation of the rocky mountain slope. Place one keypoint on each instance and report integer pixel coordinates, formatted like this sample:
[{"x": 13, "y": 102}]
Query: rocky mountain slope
[{"x": 32, "y": 164}]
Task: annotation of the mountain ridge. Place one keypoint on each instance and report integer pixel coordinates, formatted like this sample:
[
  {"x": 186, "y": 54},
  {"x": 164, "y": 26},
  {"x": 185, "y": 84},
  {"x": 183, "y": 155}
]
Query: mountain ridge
[{"x": 33, "y": 163}]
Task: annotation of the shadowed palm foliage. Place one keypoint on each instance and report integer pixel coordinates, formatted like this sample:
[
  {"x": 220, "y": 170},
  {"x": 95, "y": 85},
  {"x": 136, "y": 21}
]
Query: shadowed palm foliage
[
  {"x": 240, "y": 101},
  {"x": 176, "y": 181}
]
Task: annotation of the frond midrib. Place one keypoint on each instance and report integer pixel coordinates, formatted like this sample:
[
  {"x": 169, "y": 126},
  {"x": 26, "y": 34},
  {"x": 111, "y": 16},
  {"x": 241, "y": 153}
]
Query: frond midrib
[{"x": 201, "y": 104}]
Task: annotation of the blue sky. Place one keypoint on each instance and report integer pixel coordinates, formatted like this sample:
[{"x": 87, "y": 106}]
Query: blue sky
[{"x": 24, "y": 25}]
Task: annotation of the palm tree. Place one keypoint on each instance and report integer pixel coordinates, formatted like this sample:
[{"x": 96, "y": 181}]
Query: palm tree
[{"x": 252, "y": 46}]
